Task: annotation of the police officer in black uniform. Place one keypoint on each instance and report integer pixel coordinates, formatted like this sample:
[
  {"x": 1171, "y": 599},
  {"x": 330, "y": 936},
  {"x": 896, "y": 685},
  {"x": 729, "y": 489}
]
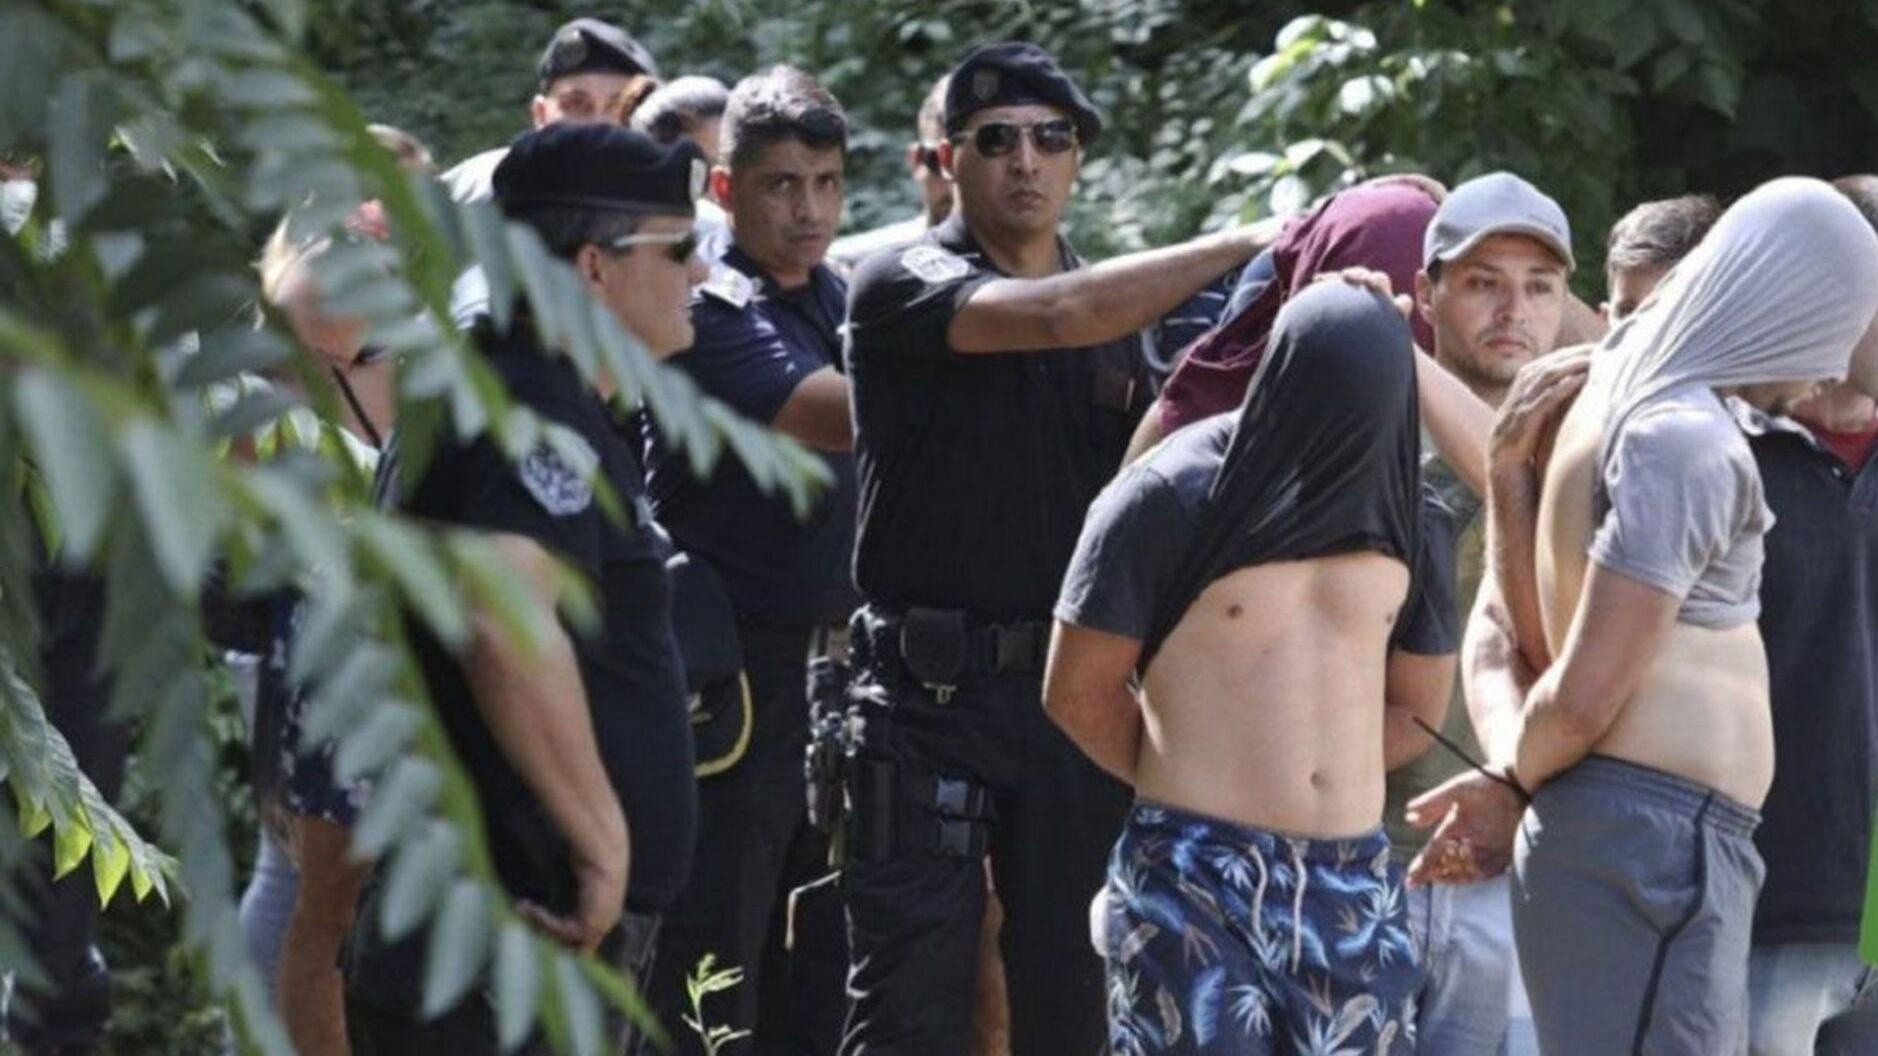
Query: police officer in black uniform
[
  {"x": 996, "y": 381},
  {"x": 768, "y": 343},
  {"x": 582, "y": 745}
]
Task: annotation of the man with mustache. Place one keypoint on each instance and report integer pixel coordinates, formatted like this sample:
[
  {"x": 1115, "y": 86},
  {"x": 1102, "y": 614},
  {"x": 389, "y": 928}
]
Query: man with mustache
[
  {"x": 996, "y": 382},
  {"x": 768, "y": 323}
]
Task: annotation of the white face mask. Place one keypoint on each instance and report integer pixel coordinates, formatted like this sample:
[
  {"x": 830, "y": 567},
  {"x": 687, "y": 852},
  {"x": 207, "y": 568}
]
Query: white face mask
[{"x": 16, "y": 203}]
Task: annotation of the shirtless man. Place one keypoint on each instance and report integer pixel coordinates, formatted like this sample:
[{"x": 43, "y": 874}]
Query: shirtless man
[
  {"x": 1647, "y": 742},
  {"x": 1251, "y": 900}
]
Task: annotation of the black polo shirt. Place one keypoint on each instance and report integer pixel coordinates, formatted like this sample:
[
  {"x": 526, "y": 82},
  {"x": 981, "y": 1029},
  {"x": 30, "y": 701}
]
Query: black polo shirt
[
  {"x": 630, "y": 666},
  {"x": 755, "y": 343},
  {"x": 975, "y": 470},
  {"x": 1819, "y": 617}
]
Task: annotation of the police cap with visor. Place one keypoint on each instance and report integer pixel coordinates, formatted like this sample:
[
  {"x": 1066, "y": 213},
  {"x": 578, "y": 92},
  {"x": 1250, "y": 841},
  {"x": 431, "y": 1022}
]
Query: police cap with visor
[
  {"x": 601, "y": 167},
  {"x": 1016, "y": 73},
  {"x": 585, "y": 45}
]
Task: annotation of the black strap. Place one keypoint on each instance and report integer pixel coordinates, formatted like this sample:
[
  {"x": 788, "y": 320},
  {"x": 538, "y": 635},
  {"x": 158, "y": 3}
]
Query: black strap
[
  {"x": 358, "y": 409},
  {"x": 1461, "y": 753}
]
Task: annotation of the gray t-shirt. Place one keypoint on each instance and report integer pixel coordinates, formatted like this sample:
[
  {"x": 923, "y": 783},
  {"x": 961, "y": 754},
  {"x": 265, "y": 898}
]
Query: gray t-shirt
[
  {"x": 1680, "y": 508},
  {"x": 1138, "y": 530}
]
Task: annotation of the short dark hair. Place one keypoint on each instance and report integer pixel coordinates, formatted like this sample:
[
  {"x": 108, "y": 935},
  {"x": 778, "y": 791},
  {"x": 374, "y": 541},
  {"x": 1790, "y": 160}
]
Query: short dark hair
[
  {"x": 780, "y": 103},
  {"x": 1863, "y": 191},
  {"x": 1658, "y": 234},
  {"x": 564, "y": 229},
  {"x": 679, "y": 108}
]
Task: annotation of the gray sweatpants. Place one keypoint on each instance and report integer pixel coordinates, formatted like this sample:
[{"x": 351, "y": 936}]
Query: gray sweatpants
[{"x": 1633, "y": 904}]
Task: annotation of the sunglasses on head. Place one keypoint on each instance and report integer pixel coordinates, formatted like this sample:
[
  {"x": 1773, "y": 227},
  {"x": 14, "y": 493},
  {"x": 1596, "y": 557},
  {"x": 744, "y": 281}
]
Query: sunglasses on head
[
  {"x": 679, "y": 245},
  {"x": 997, "y": 138}
]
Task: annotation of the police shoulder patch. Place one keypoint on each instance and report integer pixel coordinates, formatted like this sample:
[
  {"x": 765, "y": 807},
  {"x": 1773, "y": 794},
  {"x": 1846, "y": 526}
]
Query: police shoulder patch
[
  {"x": 554, "y": 484},
  {"x": 730, "y": 286},
  {"x": 932, "y": 264}
]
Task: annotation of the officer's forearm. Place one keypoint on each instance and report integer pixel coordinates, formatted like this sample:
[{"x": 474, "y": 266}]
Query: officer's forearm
[
  {"x": 1458, "y": 421},
  {"x": 1107, "y": 301},
  {"x": 535, "y": 707}
]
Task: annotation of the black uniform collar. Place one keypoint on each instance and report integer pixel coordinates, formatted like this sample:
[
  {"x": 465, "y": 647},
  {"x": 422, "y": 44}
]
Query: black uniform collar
[
  {"x": 954, "y": 234},
  {"x": 819, "y": 276}
]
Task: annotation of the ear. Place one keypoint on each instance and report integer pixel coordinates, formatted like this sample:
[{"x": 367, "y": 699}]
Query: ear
[
  {"x": 1425, "y": 298},
  {"x": 719, "y": 186},
  {"x": 538, "y": 111},
  {"x": 587, "y": 265},
  {"x": 946, "y": 157}
]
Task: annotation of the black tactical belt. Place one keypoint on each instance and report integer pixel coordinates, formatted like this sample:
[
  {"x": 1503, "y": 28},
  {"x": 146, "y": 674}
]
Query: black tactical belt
[{"x": 943, "y": 647}]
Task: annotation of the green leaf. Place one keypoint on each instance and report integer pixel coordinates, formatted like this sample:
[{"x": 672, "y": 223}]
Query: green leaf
[
  {"x": 1719, "y": 90},
  {"x": 253, "y": 412},
  {"x": 516, "y": 985},
  {"x": 110, "y": 863},
  {"x": 459, "y": 947},
  {"x": 385, "y": 734},
  {"x": 1669, "y": 69},
  {"x": 71, "y": 444},
  {"x": 174, "y": 483},
  {"x": 75, "y": 153},
  {"x": 402, "y": 551},
  {"x": 407, "y": 793},
  {"x": 416, "y": 877},
  {"x": 1638, "y": 39},
  {"x": 231, "y": 350},
  {"x": 69, "y": 846},
  {"x": 578, "y": 1005},
  {"x": 1684, "y": 20}
]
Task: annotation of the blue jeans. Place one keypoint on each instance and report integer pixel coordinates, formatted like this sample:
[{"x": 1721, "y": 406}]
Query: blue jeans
[
  {"x": 267, "y": 905},
  {"x": 1811, "y": 997},
  {"x": 1472, "y": 1002}
]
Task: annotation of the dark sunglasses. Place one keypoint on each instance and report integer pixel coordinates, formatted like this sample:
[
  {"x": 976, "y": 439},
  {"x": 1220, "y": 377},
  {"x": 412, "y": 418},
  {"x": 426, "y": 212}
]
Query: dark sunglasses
[
  {"x": 994, "y": 139},
  {"x": 679, "y": 247}
]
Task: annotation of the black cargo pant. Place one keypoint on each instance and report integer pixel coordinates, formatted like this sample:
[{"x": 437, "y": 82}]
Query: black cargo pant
[
  {"x": 755, "y": 846},
  {"x": 381, "y": 1022},
  {"x": 915, "y": 906}
]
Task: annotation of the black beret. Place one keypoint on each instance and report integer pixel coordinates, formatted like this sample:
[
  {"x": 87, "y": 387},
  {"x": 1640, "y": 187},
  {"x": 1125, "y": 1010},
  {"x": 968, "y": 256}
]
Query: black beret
[
  {"x": 600, "y": 166},
  {"x": 1012, "y": 73},
  {"x": 587, "y": 44}
]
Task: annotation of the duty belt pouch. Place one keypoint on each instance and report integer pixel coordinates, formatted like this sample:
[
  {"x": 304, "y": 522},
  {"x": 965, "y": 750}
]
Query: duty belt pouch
[
  {"x": 935, "y": 646},
  {"x": 705, "y": 623}
]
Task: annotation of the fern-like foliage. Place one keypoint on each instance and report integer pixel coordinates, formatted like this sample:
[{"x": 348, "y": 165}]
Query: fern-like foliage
[{"x": 171, "y": 134}]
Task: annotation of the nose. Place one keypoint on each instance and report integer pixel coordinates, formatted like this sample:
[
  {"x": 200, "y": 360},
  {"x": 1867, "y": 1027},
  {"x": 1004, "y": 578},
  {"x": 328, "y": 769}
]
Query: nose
[
  {"x": 1025, "y": 157},
  {"x": 696, "y": 270}
]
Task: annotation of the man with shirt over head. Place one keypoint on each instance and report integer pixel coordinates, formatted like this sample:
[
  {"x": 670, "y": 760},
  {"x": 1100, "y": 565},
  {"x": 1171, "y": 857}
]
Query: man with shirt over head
[
  {"x": 1225, "y": 642},
  {"x": 996, "y": 382},
  {"x": 1633, "y": 553},
  {"x": 768, "y": 343},
  {"x": 1808, "y": 990},
  {"x": 579, "y": 749}
]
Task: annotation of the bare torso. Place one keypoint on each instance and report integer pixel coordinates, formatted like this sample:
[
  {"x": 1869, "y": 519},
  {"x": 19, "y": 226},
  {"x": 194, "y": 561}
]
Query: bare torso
[
  {"x": 1265, "y": 704},
  {"x": 1702, "y": 711}
]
